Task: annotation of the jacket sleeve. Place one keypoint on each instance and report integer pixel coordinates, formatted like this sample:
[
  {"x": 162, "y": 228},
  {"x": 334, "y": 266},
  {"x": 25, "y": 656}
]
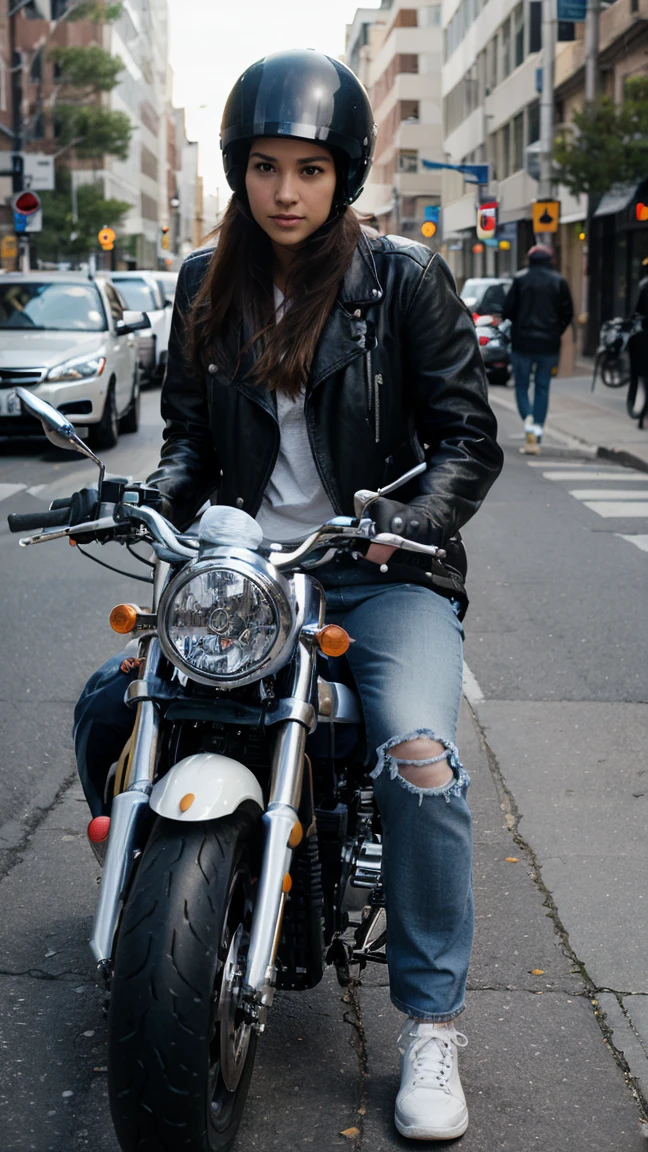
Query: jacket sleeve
[
  {"x": 454, "y": 421},
  {"x": 565, "y": 306},
  {"x": 509, "y": 306},
  {"x": 188, "y": 471}
]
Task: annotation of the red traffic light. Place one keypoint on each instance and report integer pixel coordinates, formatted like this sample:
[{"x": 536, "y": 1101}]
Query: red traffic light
[{"x": 26, "y": 203}]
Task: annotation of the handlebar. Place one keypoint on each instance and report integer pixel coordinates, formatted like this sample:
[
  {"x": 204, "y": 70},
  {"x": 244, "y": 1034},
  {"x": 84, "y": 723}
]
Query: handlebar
[{"x": 27, "y": 521}]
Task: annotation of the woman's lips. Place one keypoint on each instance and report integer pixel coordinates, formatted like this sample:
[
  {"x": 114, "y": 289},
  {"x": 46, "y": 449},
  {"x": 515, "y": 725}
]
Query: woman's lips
[{"x": 287, "y": 221}]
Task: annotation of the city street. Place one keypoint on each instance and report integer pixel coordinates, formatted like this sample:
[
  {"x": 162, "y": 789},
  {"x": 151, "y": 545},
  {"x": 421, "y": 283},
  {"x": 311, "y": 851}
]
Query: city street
[{"x": 553, "y": 733}]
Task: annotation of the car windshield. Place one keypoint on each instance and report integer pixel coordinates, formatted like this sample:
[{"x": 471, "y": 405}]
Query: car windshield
[
  {"x": 137, "y": 293},
  {"x": 51, "y": 307}
]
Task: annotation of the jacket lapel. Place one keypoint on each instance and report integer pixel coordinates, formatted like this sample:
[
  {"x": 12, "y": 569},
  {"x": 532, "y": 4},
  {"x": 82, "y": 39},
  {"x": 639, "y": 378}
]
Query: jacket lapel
[{"x": 344, "y": 337}]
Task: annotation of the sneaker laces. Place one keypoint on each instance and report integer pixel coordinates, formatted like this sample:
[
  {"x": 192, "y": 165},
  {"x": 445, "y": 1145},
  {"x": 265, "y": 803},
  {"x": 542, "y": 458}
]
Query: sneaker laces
[{"x": 431, "y": 1055}]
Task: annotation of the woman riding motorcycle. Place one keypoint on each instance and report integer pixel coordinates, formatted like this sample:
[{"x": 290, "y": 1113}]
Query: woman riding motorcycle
[{"x": 308, "y": 360}]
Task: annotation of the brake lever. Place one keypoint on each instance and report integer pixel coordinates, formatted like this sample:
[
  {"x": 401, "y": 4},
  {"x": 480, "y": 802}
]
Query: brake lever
[
  {"x": 391, "y": 540},
  {"x": 90, "y": 526}
]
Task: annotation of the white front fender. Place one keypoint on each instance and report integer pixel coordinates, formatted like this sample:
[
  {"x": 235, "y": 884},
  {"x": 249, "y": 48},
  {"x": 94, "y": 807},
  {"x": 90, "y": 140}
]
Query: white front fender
[{"x": 204, "y": 787}]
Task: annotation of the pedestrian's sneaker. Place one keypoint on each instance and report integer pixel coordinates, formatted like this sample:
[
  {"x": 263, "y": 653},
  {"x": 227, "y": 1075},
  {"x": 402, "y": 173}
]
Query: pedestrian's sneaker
[
  {"x": 528, "y": 423},
  {"x": 531, "y": 445},
  {"x": 430, "y": 1104}
]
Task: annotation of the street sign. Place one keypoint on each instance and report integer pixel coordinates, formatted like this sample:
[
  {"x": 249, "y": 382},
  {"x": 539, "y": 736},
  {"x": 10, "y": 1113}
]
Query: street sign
[
  {"x": 106, "y": 238},
  {"x": 487, "y": 220},
  {"x": 572, "y": 10},
  {"x": 546, "y": 215},
  {"x": 431, "y": 212},
  {"x": 33, "y": 223},
  {"x": 428, "y": 228},
  {"x": 38, "y": 171}
]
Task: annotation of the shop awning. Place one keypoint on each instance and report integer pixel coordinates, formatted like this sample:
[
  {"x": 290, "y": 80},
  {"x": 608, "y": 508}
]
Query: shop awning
[{"x": 617, "y": 199}]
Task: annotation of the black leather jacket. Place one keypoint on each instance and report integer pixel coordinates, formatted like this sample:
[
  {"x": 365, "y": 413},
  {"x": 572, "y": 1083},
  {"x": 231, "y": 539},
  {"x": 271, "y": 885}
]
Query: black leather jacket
[
  {"x": 397, "y": 377},
  {"x": 539, "y": 306}
]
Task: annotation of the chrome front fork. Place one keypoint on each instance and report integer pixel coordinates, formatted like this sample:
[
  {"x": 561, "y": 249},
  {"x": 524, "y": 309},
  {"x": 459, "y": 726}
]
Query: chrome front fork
[
  {"x": 129, "y": 809},
  {"x": 280, "y": 817}
]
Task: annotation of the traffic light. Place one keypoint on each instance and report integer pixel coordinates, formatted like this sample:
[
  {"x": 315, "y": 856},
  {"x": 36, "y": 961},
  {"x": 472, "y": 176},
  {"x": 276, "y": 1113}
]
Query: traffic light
[
  {"x": 165, "y": 239},
  {"x": 430, "y": 226}
]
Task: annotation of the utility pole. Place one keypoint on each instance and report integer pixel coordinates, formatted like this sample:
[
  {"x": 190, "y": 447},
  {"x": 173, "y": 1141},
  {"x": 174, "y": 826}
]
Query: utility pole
[
  {"x": 591, "y": 287},
  {"x": 547, "y": 107}
]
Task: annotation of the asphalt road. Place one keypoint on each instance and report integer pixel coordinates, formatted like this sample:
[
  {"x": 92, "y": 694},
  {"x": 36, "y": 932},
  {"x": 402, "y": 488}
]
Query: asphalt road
[{"x": 555, "y": 742}]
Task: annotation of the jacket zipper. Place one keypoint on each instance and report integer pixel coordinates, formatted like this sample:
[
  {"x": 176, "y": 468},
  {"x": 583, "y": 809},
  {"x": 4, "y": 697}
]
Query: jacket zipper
[
  {"x": 377, "y": 386},
  {"x": 368, "y": 381}
]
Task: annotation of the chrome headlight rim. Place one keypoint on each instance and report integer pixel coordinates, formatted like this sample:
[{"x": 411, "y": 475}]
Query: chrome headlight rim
[{"x": 274, "y": 585}]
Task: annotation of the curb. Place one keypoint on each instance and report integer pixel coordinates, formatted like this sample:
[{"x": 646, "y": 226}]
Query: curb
[{"x": 617, "y": 455}]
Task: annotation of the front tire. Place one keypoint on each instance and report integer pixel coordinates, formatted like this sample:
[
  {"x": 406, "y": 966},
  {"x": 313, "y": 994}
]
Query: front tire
[
  {"x": 105, "y": 434},
  {"x": 130, "y": 421},
  {"x": 176, "y": 1039}
]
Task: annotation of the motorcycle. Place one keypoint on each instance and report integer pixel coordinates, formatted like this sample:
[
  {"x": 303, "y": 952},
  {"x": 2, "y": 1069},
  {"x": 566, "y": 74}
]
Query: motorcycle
[
  {"x": 241, "y": 811},
  {"x": 495, "y": 346},
  {"x": 612, "y": 361}
]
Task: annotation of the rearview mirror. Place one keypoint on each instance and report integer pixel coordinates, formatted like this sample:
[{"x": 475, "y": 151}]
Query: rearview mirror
[
  {"x": 58, "y": 429},
  {"x": 132, "y": 322}
]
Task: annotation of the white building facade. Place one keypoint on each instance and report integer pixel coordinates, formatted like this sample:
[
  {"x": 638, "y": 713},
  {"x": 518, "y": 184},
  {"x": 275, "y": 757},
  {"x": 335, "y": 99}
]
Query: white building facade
[{"x": 396, "y": 51}]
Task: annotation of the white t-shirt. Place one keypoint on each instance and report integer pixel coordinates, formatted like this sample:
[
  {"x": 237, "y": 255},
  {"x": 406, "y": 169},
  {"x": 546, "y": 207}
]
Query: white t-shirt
[{"x": 294, "y": 502}]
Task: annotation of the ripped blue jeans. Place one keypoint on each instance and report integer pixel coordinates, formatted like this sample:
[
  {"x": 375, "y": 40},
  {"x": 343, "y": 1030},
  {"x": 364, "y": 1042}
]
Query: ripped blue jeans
[{"x": 407, "y": 664}]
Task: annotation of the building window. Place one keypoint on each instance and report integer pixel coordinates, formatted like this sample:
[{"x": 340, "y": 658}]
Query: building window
[
  {"x": 491, "y": 64},
  {"x": 518, "y": 143},
  {"x": 409, "y": 111},
  {"x": 408, "y": 162},
  {"x": 505, "y": 145},
  {"x": 535, "y": 25},
  {"x": 506, "y": 49},
  {"x": 430, "y": 16},
  {"x": 533, "y": 122},
  {"x": 518, "y": 35}
]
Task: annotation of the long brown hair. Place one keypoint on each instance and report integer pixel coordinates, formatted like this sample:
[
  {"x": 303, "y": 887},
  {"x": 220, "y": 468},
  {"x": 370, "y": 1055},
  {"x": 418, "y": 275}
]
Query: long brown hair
[{"x": 238, "y": 291}]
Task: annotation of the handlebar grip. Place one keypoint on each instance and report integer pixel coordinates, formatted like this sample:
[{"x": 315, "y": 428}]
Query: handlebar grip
[{"x": 27, "y": 521}]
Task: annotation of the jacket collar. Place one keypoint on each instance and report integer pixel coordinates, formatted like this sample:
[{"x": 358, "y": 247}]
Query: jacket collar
[{"x": 361, "y": 286}]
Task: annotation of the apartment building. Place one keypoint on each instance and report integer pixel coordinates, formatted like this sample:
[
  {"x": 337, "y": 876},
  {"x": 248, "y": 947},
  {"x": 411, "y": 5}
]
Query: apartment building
[
  {"x": 618, "y": 240},
  {"x": 396, "y": 51},
  {"x": 140, "y": 38},
  {"x": 491, "y": 85}
]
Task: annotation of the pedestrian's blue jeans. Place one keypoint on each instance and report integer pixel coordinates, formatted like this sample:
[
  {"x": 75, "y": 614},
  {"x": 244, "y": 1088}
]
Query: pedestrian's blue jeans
[
  {"x": 544, "y": 369},
  {"x": 407, "y": 664}
]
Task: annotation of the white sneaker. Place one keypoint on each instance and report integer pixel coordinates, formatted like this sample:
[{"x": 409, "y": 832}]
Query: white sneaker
[
  {"x": 430, "y": 1104},
  {"x": 528, "y": 423}
]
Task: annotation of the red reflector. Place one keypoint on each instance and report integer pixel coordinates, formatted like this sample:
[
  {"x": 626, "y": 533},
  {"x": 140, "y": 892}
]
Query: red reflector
[
  {"x": 484, "y": 340},
  {"x": 98, "y": 829}
]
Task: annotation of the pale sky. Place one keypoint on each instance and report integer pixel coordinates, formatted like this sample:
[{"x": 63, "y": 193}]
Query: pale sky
[{"x": 211, "y": 42}]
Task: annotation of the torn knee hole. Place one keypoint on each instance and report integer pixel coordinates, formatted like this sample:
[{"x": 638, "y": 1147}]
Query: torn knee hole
[{"x": 423, "y": 762}]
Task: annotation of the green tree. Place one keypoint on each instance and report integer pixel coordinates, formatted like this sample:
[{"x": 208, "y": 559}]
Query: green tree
[
  {"x": 606, "y": 144},
  {"x": 93, "y": 210},
  {"x": 91, "y": 68}
]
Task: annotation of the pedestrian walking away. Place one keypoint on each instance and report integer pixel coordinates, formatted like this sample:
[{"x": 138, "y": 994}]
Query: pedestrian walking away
[
  {"x": 310, "y": 359},
  {"x": 540, "y": 308},
  {"x": 637, "y": 400}
]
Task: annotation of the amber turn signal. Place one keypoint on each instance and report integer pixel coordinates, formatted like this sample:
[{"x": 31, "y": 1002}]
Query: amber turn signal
[
  {"x": 287, "y": 883},
  {"x": 123, "y": 618},
  {"x": 333, "y": 640},
  {"x": 296, "y": 835}
]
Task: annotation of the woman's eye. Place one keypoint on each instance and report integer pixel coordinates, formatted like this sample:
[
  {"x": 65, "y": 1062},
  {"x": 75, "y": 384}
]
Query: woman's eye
[
  {"x": 311, "y": 170},
  {"x": 263, "y": 166}
]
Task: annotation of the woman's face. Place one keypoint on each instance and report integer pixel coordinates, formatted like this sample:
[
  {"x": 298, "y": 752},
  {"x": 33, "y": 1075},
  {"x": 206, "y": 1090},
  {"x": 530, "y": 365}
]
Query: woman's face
[{"x": 290, "y": 186}]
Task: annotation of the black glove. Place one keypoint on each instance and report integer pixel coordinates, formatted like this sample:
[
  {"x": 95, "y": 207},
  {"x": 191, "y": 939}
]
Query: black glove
[
  {"x": 84, "y": 506},
  {"x": 404, "y": 520}
]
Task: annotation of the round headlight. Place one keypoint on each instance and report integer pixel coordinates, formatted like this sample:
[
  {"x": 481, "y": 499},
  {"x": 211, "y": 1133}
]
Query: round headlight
[{"x": 225, "y": 623}]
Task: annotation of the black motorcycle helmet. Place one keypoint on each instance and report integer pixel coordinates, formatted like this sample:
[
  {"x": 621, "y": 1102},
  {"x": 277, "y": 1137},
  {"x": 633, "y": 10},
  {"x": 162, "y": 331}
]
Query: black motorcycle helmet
[{"x": 307, "y": 96}]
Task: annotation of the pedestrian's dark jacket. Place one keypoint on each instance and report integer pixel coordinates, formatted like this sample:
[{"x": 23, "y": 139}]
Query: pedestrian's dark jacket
[
  {"x": 397, "y": 377},
  {"x": 539, "y": 306}
]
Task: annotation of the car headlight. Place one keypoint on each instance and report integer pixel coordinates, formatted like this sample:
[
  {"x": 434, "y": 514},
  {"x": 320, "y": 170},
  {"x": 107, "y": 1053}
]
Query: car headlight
[
  {"x": 226, "y": 621},
  {"x": 80, "y": 368}
]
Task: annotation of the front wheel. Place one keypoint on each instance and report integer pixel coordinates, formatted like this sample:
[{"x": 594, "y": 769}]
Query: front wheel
[{"x": 180, "y": 1052}]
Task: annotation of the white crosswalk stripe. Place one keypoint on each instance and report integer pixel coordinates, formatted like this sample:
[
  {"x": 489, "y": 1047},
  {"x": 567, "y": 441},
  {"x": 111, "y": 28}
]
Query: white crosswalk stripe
[
  {"x": 619, "y": 503},
  {"x": 7, "y": 490},
  {"x": 639, "y": 541}
]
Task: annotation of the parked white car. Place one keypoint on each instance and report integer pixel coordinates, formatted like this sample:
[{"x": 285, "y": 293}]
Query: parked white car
[
  {"x": 143, "y": 292},
  {"x": 167, "y": 282},
  {"x": 68, "y": 339}
]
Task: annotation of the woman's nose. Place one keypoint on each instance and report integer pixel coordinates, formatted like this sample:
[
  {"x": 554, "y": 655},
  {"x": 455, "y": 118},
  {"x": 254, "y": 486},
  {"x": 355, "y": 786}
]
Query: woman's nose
[{"x": 285, "y": 193}]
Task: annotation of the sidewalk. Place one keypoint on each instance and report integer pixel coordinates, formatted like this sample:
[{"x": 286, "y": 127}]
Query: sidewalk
[{"x": 595, "y": 420}]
